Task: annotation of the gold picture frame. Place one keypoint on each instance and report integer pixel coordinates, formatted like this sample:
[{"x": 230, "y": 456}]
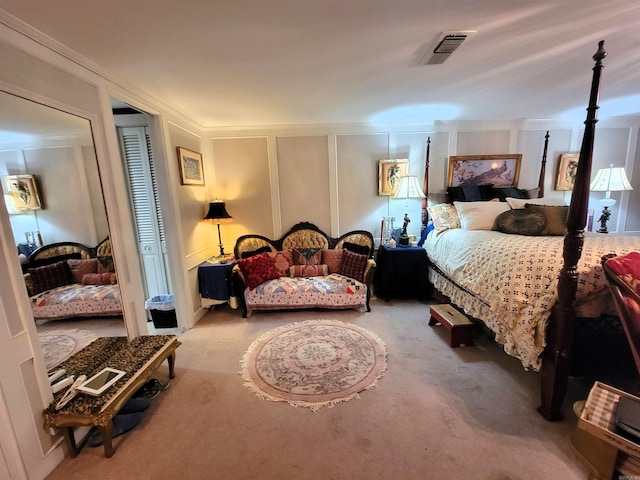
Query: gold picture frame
[
  {"x": 191, "y": 167},
  {"x": 389, "y": 173},
  {"x": 567, "y": 169},
  {"x": 23, "y": 191},
  {"x": 501, "y": 170}
]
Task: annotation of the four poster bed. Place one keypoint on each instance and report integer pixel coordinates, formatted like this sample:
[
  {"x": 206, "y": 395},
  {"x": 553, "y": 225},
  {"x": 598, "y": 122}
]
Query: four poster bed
[{"x": 529, "y": 290}]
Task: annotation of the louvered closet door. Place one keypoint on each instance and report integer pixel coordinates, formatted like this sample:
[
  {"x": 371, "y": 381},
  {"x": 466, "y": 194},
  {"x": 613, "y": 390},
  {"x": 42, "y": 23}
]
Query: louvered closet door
[{"x": 136, "y": 150}]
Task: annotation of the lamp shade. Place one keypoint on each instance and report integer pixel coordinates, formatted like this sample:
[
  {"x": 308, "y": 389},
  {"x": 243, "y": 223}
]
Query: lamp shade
[
  {"x": 409, "y": 188},
  {"x": 218, "y": 213},
  {"x": 610, "y": 180}
]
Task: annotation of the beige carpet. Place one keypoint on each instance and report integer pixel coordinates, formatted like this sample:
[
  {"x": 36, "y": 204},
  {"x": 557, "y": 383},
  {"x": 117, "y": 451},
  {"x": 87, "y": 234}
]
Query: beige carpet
[
  {"x": 438, "y": 413},
  {"x": 314, "y": 364}
]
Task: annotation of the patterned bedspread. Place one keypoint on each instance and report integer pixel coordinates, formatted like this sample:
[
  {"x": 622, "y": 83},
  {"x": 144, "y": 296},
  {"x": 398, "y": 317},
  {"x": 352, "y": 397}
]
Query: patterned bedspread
[
  {"x": 509, "y": 281},
  {"x": 330, "y": 291},
  {"x": 77, "y": 300}
]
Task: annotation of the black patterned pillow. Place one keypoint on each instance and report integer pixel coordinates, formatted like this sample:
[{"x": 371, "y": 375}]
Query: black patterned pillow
[
  {"x": 354, "y": 247},
  {"x": 521, "y": 222},
  {"x": 307, "y": 256}
]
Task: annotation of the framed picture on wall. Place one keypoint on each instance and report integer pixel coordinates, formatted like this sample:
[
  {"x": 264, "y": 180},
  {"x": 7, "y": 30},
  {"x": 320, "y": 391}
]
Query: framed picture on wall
[
  {"x": 389, "y": 173},
  {"x": 23, "y": 191},
  {"x": 500, "y": 170},
  {"x": 191, "y": 169},
  {"x": 567, "y": 168}
]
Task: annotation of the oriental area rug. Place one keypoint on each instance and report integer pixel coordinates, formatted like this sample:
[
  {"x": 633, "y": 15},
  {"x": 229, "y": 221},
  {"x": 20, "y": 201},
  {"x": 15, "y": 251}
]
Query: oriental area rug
[
  {"x": 58, "y": 345},
  {"x": 314, "y": 364}
]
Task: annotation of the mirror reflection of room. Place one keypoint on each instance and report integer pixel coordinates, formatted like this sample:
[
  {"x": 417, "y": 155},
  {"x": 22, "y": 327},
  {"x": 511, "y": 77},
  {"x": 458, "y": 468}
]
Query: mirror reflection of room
[{"x": 51, "y": 188}]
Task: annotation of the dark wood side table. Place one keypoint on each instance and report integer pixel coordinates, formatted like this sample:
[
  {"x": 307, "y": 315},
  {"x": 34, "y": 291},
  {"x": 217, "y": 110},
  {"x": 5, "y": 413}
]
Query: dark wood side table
[
  {"x": 214, "y": 283},
  {"x": 401, "y": 273}
]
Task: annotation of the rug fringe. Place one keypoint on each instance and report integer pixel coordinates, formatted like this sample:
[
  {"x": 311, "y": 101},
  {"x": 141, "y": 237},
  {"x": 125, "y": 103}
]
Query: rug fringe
[{"x": 313, "y": 406}]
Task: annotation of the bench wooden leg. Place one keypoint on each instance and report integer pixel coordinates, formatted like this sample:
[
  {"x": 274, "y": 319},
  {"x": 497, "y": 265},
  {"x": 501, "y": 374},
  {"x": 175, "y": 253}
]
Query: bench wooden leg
[
  {"x": 107, "y": 438},
  {"x": 172, "y": 360}
]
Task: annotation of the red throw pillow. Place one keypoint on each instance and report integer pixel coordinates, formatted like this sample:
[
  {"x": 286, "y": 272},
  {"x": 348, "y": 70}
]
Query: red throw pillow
[
  {"x": 332, "y": 259},
  {"x": 627, "y": 269},
  {"x": 353, "y": 265},
  {"x": 309, "y": 270},
  {"x": 257, "y": 269},
  {"x": 106, "y": 278},
  {"x": 79, "y": 268},
  {"x": 282, "y": 261}
]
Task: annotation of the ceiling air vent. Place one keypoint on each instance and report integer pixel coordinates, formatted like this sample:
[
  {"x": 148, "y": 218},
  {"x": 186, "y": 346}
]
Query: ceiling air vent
[{"x": 446, "y": 45}]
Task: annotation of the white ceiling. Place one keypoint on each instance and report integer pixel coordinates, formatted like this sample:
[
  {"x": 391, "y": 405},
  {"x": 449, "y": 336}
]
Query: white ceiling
[{"x": 263, "y": 62}]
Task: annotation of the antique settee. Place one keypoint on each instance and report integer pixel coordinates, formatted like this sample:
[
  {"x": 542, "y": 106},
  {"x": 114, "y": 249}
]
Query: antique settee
[
  {"x": 305, "y": 268},
  {"x": 68, "y": 279}
]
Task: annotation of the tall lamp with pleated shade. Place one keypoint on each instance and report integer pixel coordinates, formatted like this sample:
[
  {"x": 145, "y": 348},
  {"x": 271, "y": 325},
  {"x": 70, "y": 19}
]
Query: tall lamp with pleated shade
[
  {"x": 612, "y": 179},
  {"x": 409, "y": 188},
  {"x": 218, "y": 214}
]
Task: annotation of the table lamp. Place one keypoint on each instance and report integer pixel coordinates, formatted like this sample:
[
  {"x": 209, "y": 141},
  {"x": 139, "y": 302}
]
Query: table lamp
[
  {"x": 409, "y": 188},
  {"x": 218, "y": 214},
  {"x": 609, "y": 180}
]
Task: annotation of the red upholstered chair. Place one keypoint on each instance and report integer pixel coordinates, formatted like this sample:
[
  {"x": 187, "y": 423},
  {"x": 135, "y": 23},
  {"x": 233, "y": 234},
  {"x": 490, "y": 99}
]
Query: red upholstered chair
[{"x": 623, "y": 275}]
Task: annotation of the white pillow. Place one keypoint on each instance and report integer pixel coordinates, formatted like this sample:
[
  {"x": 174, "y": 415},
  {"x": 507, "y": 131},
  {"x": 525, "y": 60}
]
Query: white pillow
[
  {"x": 479, "y": 215},
  {"x": 521, "y": 202}
]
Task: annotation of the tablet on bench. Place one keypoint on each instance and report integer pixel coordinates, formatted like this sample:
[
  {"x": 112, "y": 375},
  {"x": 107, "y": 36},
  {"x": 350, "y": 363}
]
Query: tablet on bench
[{"x": 101, "y": 381}]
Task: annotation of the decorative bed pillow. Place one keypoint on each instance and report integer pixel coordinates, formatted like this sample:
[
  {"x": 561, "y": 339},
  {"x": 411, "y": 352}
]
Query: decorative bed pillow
[
  {"x": 479, "y": 215},
  {"x": 501, "y": 193},
  {"x": 282, "y": 261},
  {"x": 354, "y": 247},
  {"x": 79, "y": 268},
  {"x": 257, "y": 269},
  {"x": 556, "y": 218},
  {"x": 521, "y": 221},
  {"x": 308, "y": 270},
  {"x": 332, "y": 259},
  {"x": 353, "y": 265},
  {"x": 470, "y": 193},
  {"x": 521, "y": 202},
  {"x": 444, "y": 217},
  {"x": 307, "y": 256},
  {"x": 50, "y": 276}
]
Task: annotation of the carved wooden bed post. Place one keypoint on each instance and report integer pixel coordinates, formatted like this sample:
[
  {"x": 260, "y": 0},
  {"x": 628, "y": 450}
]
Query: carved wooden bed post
[
  {"x": 543, "y": 166},
  {"x": 425, "y": 214},
  {"x": 557, "y": 355}
]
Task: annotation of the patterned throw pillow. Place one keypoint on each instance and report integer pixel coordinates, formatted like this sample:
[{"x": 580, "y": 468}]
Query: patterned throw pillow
[
  {"x": 444, "y": 216},
  {"x": 251, "y": 253},
  {"x": 79, "y": 268},
  {"x": 353, "y": 265},
  {"x": 332, "y": 259},
  {"x": 50, "y": 276},
  {"x": 282, "y": 261},
  {"x": 257, "y": 269},
  {"x": 308, "y": 270},
  {"x": 521, "y": 221},
  {"x": 307, "y": 256},
  {"x": 106, "y": 264},
  {"x": 627, "y": 269}
]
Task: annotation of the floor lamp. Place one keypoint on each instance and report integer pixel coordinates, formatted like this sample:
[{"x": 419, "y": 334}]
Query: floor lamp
[
  {"x": 218, "y": 214},
  {"x": 409, "y": 188},
  {"x": 609, "y": 180}
]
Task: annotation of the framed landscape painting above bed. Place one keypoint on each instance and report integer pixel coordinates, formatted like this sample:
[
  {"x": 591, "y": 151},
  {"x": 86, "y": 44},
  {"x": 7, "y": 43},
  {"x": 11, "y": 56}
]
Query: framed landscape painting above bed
[{"x": 499, "y": 170}]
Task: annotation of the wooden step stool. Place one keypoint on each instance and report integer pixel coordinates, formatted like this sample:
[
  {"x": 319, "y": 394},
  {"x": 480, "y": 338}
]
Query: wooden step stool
[{"x": 459, "y": 326}]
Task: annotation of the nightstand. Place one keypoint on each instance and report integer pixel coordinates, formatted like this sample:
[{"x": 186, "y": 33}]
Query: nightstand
[
  {"x": 401, "y": 272},
  {"x": 214, "y": 283}
]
